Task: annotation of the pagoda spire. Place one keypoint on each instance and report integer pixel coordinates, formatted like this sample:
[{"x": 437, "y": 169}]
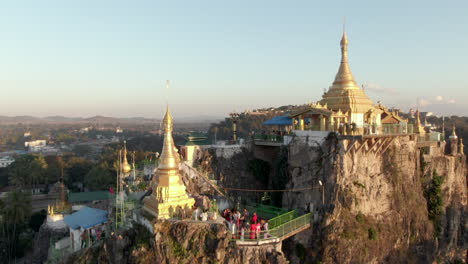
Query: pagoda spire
[
  {"x": 169, "y": 159},
  {"x": 126, "y": 168},
  {"x": 344, "y": 78}
]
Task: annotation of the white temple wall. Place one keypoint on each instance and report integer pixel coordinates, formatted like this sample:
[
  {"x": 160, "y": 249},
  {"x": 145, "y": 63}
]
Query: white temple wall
[{"x": 358, "y": 119}]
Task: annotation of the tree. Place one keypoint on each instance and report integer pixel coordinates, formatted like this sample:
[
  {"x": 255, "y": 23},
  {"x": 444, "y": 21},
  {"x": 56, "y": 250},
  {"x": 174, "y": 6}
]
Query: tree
[
  {"x": 99, "y": 178},
  {"x": 15, "y": 213},
  {"x": 27, "y": 170},
  {"x": 82, "y": 150},
  {"x": 77, "y": 168}
]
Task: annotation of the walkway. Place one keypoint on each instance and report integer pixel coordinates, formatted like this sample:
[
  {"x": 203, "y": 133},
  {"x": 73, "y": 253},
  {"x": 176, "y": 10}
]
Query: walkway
[{"x": 281, "y": 227}]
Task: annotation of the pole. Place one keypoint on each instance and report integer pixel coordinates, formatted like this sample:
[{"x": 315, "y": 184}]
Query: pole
[
  {"x": 134, "y": 172},
  {"x": 323, "y": 194}
]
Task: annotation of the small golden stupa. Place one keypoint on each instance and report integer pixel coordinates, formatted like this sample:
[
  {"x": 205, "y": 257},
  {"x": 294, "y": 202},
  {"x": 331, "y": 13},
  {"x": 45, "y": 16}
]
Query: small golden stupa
[
  {"x": 126, "y": 168},
  {"x": 419, "y": 128},
  {"x": 168, "y": 189}
]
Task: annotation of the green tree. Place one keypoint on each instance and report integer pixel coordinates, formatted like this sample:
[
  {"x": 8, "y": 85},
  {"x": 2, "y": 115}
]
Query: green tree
[
  {"x": 82, "y": 150},
  {"x": 77, "y": 168},
  {"x": 15, "y": 213},
  {"x": 99, "y": 178},
  {"x": 28, "y": 170}
]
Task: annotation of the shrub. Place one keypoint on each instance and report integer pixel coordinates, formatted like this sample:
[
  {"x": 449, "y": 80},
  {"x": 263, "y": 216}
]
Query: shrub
[
  {"x": 372, "y": 234},
  {"x": 435, "y": 202},
  {"x": 360, "y": 217}
]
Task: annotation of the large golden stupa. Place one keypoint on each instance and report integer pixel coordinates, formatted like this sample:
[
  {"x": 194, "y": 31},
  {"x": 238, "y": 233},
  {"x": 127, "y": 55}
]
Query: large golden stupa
[
  {"x": 345, "y": 94},
  {"x": 169, "y": 191}
]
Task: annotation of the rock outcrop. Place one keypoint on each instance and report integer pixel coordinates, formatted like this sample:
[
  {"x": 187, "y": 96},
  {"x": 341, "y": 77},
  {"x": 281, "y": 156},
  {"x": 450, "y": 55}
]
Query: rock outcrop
[
  {"x": 375, "y": 205},
  {"x": 42, "y": 242},
  {"x": 176, "y": 242}
]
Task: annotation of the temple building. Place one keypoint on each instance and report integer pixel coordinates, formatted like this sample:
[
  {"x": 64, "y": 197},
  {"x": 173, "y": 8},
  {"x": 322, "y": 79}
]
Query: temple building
[
  {"x": 346, "y": 108},
  {"x": 169, "y": 192}
]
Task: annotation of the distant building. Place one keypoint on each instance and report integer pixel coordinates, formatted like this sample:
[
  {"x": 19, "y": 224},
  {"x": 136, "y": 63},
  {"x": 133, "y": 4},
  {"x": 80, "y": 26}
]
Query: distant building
[
  {"x": 35, "y": 145},
  {"x": 6, "y": 161},
  {"x": 189, "y": 150},
  {"x": 119, "y": 130},
  {"x": 84, "y": 130}
]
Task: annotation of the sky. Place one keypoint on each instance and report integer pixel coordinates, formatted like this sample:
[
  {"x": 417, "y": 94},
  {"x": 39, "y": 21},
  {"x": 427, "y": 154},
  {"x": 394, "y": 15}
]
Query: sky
[{"x": 112, "y": 57}]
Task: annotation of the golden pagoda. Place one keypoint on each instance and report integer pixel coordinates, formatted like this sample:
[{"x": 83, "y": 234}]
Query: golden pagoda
[
  {"x": 126, "y": 168},
  {"x": 345, "y": 107},
  {"x": 169, "y": 191},
  {"x": 419, "y": 129},
  {"x": 345, "y": 94}
]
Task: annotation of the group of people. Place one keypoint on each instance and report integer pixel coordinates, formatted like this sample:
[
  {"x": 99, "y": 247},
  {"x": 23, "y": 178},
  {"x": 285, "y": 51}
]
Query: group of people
[
  {"x": 89, "y": 236},
  {"x": 241, "y": 223}
]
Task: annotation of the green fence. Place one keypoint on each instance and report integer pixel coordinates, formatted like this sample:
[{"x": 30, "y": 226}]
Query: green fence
[
  {"x": 265, "y": 211},
  {"x": 296, "y": 223},
  {"x": 282, "y": 219},
  {"x": 276, "y": 232}
]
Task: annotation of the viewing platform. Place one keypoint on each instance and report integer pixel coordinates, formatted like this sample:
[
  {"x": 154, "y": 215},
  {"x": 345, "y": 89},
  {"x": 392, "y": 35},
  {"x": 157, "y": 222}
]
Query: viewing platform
[{"x": 281, "y": 227}]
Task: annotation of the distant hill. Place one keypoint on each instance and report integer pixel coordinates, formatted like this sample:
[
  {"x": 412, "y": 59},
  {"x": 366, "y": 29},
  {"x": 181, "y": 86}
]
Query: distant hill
[{"x": 100, "y": 120}]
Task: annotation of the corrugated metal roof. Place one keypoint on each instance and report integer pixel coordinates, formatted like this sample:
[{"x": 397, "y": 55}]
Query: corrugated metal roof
[
  {"x": 278, "y": 121},
  {"x": 85, "y": 218}
]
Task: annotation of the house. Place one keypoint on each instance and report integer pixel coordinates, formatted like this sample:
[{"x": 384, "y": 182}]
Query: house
[
  {"x": 83, "y": 224},
  {"x": 6, "y": 161}
]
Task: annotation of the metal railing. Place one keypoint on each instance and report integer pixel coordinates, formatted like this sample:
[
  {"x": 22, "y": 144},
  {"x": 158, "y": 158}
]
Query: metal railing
[
  {"x": 397, "y": 129},
  {"x": 265, "y": 211},
  {"x": 276, "y": 232},
  {"x": 282, "y": 219},
  {"x": 296, "y": 223},
  {"x": 430, "y": 137},
  {"x": 269, "y": 138}
]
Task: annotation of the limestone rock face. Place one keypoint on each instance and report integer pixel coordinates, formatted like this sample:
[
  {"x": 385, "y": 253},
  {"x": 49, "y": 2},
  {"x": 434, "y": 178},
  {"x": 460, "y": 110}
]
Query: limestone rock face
[
  {"x": 42, "y": 242},
  {"x": 176, "y": 242},
  {"x": 375, "y": 207}
]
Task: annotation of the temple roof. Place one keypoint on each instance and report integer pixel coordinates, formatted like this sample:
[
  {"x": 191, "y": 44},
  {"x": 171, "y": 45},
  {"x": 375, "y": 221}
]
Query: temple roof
[
  {"x": 279, "y": 121},
  {"x": 344, "y": 93}
]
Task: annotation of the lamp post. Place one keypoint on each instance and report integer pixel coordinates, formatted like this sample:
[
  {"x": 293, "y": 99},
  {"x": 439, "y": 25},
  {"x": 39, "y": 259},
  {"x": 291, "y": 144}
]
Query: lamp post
[
  {"x": 234, "y": 117},
  {"x": 323, "y": 191}
]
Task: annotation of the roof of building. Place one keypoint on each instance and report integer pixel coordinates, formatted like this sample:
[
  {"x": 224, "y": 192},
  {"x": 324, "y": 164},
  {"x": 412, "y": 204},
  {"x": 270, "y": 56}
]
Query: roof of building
[
  {"x": 85, "y": 218},
  {"x": 81, "y": 197},
  {"x": 196, "y": 139},
  {"x": 279, "y": 121}
]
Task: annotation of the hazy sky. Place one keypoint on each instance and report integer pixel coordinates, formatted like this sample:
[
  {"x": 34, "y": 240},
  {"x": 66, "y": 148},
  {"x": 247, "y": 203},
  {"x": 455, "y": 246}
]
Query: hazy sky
[{"x": 110, "y": 57}]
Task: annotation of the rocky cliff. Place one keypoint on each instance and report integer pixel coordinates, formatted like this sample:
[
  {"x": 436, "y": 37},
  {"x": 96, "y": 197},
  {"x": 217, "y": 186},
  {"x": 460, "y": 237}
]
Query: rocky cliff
[
  {"x": 175, "y": 242},
  {"x": 377, "y": 207}
]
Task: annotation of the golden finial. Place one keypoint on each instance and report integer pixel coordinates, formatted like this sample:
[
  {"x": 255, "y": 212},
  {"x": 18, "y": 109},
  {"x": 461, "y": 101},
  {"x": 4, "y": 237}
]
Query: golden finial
[
  {"x": 126, "y": 168},
  {"x": 344, "y": 38}
]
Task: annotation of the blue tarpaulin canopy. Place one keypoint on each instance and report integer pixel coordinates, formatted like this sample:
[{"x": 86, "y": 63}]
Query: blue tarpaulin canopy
[
  {"x": 85, "y": 218},
  {"x": 278, "y": 121}
]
